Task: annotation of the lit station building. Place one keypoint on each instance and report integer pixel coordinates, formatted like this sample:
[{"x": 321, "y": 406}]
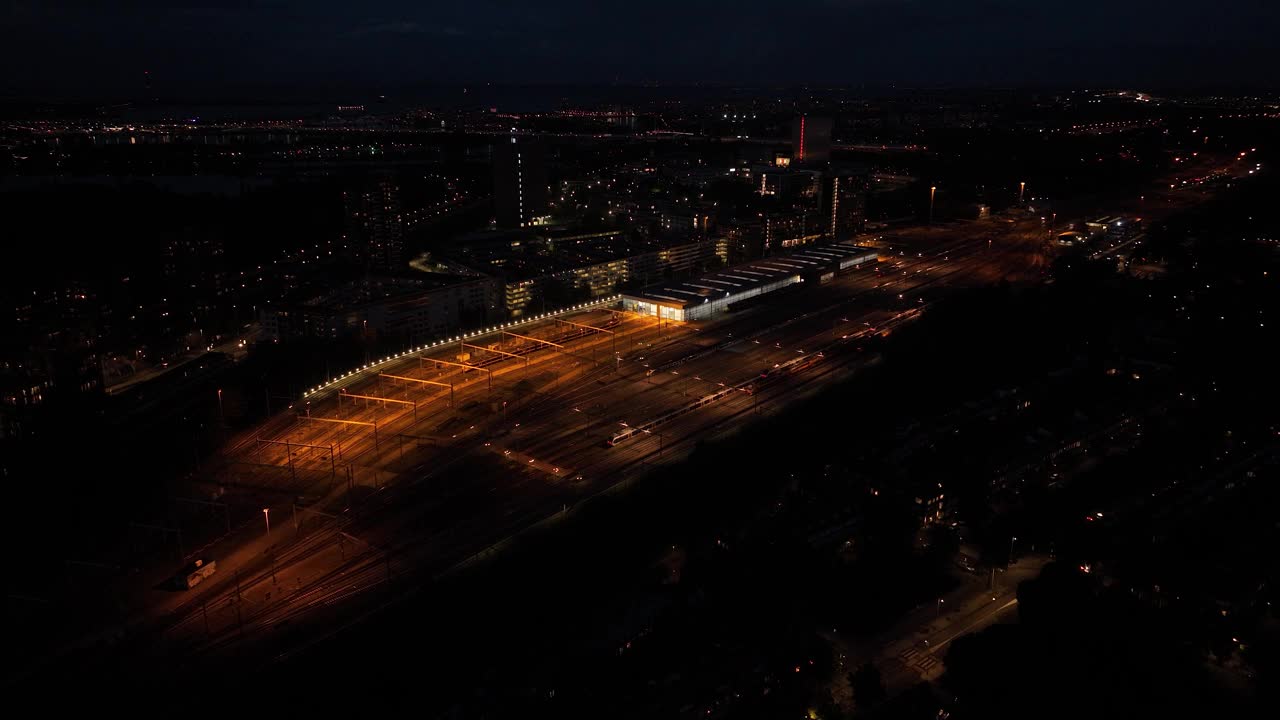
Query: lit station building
[{"x": 714, "y": 293}]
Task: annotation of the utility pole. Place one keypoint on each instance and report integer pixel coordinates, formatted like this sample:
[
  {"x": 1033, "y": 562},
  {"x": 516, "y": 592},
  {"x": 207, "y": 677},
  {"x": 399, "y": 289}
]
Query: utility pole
[{"x": 239, "y": 616}]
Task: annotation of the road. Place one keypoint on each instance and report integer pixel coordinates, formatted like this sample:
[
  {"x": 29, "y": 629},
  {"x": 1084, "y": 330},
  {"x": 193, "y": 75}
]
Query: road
[{"x": 914, "y": 649}]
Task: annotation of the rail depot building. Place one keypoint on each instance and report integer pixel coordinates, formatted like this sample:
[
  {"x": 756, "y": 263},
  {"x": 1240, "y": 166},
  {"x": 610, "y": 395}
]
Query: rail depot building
[{"x": 711, "y": 294}]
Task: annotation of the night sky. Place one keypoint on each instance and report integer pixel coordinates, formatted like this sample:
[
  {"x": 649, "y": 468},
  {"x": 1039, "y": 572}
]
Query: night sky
[{"x": 261, "y": 47}]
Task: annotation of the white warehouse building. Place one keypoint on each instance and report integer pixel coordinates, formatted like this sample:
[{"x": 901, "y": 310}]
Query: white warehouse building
[{"x": 711, "y": 294}]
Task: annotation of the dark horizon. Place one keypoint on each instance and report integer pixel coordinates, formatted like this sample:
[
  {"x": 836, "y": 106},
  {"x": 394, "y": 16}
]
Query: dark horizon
[
  {"x": 223, "y": 48},
  {"x": 552, "y": 95}
]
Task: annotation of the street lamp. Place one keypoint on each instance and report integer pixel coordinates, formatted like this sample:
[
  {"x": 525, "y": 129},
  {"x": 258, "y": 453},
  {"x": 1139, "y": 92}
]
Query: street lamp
[
  {"x": 221, "y": 417},
  {"x": 1022, "y": 187},
  {"x": 933, "y": 190},
  {"x": 1012, "y": 540},
  {"x": 938, "y": 614},
  {"x": 266, "y": 515}
]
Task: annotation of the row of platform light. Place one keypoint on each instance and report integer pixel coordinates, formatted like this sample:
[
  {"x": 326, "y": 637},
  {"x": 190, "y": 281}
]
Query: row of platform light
[{"x": 335, "y": 381}]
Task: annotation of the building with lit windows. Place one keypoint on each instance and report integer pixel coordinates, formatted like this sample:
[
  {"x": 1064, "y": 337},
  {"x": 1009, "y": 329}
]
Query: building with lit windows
[
  {"x": 931, "y": 505},
  {"x": 375, "y": 226},
  {"x": 773, "y": 232},
  {"x": 792, "y": 229},
  {"x": 549, "y": 269},
  {"x": 50, "y": 362},
  {"x": 843, "y": 202},
  {"x": 407, "y": 310},
  {"x": 520, "y": 191},
  {"x": 554, "y": 289},
  {"x": 787, "y": 184}
]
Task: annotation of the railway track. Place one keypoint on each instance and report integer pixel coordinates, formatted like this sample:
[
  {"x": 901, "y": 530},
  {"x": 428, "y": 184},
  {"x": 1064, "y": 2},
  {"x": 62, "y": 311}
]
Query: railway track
[{"x": 616, "y": 467}]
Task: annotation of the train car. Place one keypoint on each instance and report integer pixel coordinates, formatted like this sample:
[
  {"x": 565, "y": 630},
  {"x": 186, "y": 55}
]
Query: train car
[{"x": 195, "y": 573}]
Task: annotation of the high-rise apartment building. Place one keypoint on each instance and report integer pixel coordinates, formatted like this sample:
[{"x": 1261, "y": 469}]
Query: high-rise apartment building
[
  {"x": 843, "y": 202},
  {"x": 519, "y": 182},
  {"x": 375, "y": 225}
]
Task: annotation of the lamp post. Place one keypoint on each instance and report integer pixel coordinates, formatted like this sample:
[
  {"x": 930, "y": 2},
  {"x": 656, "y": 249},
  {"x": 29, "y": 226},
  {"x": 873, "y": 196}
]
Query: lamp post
[
  {"x": 1022, "y": 187},
  {"x": 266, "y": 515},
  {"x": 222, "y": 419},
  {"x": 933, "y": 190}
]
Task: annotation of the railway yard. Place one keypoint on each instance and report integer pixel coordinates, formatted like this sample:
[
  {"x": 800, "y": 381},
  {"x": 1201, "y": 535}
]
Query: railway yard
[{"x": 406, "y": 470}]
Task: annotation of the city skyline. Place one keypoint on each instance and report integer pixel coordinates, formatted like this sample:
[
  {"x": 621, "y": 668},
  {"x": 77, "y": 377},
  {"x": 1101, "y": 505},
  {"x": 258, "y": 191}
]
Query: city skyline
[{"x": 835, "y": 359}]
